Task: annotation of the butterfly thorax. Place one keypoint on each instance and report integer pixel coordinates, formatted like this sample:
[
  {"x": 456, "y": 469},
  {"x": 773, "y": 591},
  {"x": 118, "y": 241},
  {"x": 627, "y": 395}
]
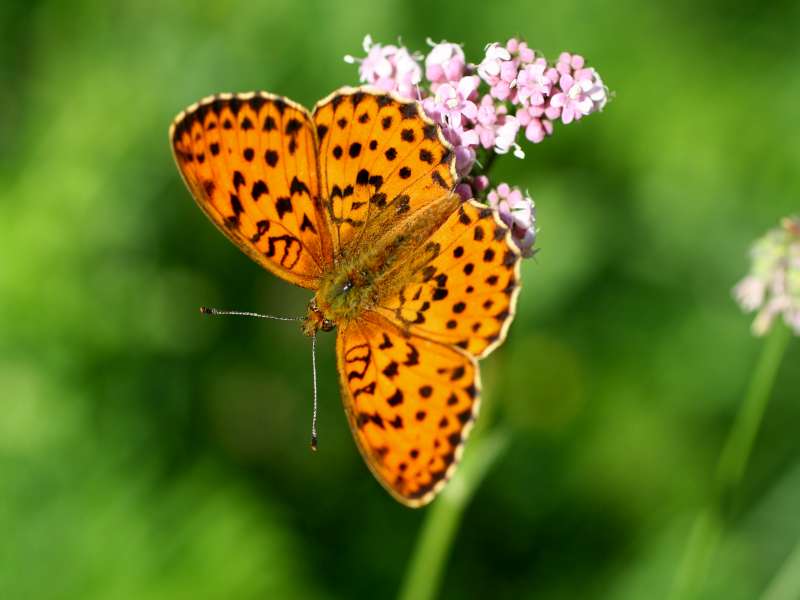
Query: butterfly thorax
[
  {"x": 346, "y": 291},
  {"x": 385, "y": 261}
]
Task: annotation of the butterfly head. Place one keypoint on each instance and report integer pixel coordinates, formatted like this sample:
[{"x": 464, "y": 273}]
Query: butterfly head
[{"x": 315, "y": 320}]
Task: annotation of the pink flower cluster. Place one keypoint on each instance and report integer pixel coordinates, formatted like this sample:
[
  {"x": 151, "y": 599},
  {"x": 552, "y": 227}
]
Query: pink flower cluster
[
  {"x": 470, "y": 120},
  {"x": 772, "y": 288},
  {"x": 540, "y": 92},
  {"x": 518, "y": 212},
  {"x": 390, "y": 68},
  {"x": 483, "y": 108}
]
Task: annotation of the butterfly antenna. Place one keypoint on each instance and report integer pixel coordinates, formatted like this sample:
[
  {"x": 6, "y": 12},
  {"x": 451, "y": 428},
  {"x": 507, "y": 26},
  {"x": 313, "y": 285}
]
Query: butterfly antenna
[
  {"x": 314, "y": 411},
  {"x": 242, "y": 313}
]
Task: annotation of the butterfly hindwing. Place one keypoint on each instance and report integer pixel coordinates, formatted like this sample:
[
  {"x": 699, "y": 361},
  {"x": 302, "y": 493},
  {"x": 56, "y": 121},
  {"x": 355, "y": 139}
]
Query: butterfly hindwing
[
  {"x": 381, "y": 160},
  {"x": 250, "y": 163},
  {"x": 466, "y": 295},
  {"x": 410, "y": 403}
]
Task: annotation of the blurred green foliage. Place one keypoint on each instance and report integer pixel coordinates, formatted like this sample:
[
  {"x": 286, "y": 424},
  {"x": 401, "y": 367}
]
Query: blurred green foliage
[{"x": 148, "y": 452}]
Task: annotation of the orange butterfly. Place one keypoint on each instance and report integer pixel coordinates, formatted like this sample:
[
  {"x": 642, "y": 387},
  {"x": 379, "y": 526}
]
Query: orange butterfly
[{"x": 355, "y": 201}]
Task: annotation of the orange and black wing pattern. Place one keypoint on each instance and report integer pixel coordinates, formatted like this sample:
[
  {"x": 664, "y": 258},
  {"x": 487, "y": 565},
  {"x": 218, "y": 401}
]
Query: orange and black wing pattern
[
  {"x": 381, "y": 160},
  {"x": 250, "y": 161},
  {"x": 410, "y": 402},
  {"x": 467, "y": 294}
]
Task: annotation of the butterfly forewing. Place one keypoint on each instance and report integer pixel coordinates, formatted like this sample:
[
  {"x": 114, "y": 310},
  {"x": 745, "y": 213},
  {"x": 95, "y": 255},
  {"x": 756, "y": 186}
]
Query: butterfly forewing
[
  {"x": 250, "y": 163},
  {"x": 381, "y": 160}
]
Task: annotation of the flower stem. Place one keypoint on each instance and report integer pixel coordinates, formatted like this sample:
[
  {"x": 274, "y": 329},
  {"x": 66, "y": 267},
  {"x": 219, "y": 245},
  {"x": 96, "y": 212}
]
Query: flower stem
[
  {"x": 708, "y": 527},
  {"x": 424, "y": 574},
  {"x": 736, "y": 453},
  {"x": 488, "y": 163},
  {"x": 786, "y": 583}
]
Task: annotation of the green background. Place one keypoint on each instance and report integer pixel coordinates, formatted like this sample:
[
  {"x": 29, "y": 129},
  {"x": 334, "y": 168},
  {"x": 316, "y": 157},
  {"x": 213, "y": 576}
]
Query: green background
[{"x": 148, "y": 452}]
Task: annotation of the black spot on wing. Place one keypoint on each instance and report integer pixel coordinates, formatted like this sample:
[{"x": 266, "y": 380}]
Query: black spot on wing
[
  {"x": 256, "y": 102},
  {"x": 238, "y": 179},
  {"x": 307, "y": 224},
  {"x": 395, "y": 399},
  {"x": 293, "y": 126},
  {"x": 409, "y": 111},
  {"x": 439, "y": 180},
  {"x": 298, "y": 187},
  {"x": 357, "y": 98},
  {"x": 283, "y": 205},
  {"x": 262, "y": 227},
  {"x": 236, "y": 205}
]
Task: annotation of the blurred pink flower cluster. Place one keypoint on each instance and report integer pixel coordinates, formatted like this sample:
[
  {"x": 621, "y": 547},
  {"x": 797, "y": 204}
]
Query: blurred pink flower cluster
[
  {"x": 484, "y": 108},
  {"x": 772, "y": 287}
]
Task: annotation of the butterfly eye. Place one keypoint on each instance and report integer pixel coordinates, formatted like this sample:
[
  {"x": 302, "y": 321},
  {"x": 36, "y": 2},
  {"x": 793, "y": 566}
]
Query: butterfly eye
[
  {"x": 341, "y": 288},
  {"x": 327, "y": 325}
]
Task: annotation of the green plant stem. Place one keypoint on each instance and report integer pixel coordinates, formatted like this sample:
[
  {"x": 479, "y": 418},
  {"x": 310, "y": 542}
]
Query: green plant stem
[
  {"x": 424, "y": 574},
  {"x": 786, "y": 583},
  {"x": 709, "y": 525},
  {"x": 738, "y": 446}
]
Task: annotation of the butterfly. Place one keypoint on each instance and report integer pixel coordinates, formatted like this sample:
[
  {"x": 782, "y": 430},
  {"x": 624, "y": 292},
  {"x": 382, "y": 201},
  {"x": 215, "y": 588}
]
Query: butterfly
[{"x": 355, "y": 201}]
